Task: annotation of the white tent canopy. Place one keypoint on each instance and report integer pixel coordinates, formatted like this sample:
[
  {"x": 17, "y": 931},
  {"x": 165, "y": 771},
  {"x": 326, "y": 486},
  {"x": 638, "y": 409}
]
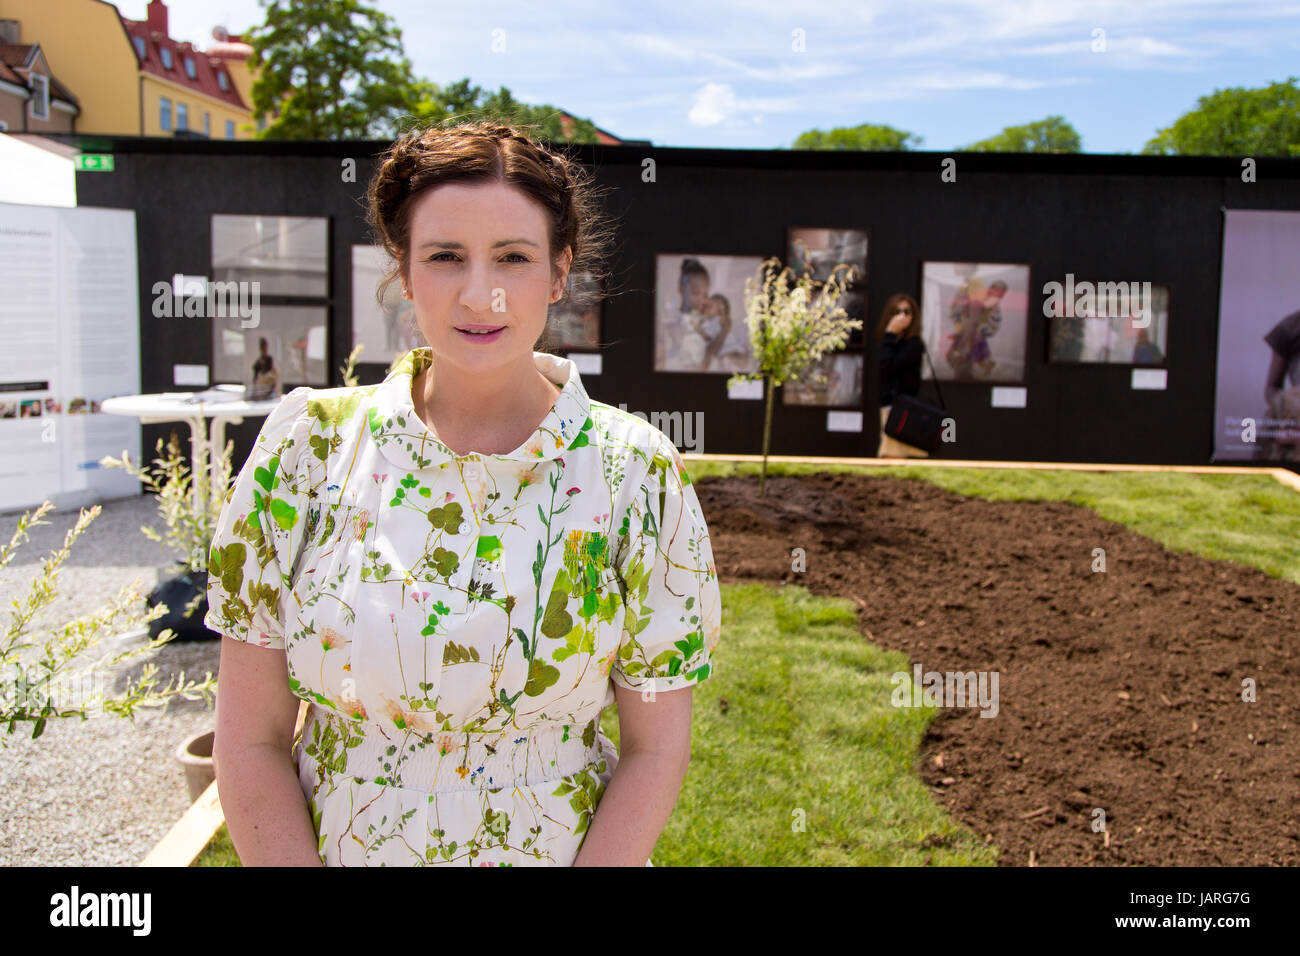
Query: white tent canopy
[{"x": 36, "y": 175}]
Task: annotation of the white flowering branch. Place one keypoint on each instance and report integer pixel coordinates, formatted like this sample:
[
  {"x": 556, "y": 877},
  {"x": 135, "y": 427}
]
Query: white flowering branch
[
  {"x": 49, "y": 683},
  {"x": 790, "y": 329}
]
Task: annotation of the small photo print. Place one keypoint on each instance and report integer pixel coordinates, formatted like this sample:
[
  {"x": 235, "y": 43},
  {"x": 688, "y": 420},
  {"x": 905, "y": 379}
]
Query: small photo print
[
  {"x": 834, "y": 381},
  {"x": 574, "y": 321},
  {"x": 29, "y": 408},
  {"x": 974, "y": 319},
  {"x": 700, "y": 313},
  {"x": 8, "y": 409},
  {"x": 821, "y": 250}
]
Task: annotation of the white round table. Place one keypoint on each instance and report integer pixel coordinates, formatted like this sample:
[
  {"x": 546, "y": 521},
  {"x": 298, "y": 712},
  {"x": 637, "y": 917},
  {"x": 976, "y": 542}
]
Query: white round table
[{"x": 224, "y": 404}]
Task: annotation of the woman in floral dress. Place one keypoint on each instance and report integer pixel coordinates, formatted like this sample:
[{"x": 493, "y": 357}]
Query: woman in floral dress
[{"x": 461, "y": 567}]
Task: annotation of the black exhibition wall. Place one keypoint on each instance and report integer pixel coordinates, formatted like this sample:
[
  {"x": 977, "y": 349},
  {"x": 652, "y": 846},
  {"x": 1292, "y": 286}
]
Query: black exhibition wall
[{"x": 1134, "y": 218}]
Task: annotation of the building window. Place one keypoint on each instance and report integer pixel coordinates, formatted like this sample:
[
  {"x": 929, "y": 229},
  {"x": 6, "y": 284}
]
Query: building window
[
  {"x": 166, "y": 57},
  {"x": 140, "y": 50},
  {"x": 189, "y": 67},
  {"x": 222, "y": 81},
  {"x": 182, "y": 116},
  {"x": 207, "y": 124},
  {"x": 230, "y": 129},
  {"x": 40, "y": 96},
  {"x": 164, "y": 113}
]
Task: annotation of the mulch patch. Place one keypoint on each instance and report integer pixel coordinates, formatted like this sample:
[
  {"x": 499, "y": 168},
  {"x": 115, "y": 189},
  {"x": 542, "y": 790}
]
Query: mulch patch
[{"x": 1119, "y": 690}]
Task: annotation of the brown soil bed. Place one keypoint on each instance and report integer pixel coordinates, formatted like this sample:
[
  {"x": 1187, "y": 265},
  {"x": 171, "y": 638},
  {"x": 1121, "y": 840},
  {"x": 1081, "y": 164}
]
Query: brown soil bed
[{"x": 1120, "y": 690}]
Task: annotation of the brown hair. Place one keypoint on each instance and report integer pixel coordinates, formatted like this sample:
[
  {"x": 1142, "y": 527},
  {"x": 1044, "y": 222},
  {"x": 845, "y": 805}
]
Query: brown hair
[
  {"x": 913, "y": 331},
  {"x": 486, "y": 151}
]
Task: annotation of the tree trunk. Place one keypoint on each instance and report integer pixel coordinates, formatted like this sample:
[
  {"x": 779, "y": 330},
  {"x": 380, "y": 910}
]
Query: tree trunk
[{"x": 767, "y": 433}]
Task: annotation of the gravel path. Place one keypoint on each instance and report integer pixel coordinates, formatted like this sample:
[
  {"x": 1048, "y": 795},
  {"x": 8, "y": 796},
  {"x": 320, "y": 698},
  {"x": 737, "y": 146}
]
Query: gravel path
[{"x": 103, "y": 791}]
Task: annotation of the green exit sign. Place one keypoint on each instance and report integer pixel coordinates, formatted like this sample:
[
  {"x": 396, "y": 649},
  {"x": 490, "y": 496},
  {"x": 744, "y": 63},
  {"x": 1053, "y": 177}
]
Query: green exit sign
[{"x": 93, "y": 162}]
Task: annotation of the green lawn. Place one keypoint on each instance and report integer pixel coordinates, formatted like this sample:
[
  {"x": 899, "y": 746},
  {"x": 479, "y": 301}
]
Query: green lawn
[{"x": 808, "y": 725}]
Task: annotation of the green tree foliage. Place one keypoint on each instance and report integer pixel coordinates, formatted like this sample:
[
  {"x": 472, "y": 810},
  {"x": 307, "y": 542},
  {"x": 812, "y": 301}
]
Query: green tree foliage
[
  {"x": 1236, "y": 122},
  {"x": 335, "y": 69},
  {"x": 1050, "y": 135},
  {"x": 463, "y": 101},
  {"x": 328, "y": 69},
  {"x": 864, "y": 137}
]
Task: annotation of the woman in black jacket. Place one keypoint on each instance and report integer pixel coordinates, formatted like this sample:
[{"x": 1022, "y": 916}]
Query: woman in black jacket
[{"x": 901, "y": 350}]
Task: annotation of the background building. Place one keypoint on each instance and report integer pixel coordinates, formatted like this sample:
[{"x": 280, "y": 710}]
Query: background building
[{"x": 120, "y": 77}]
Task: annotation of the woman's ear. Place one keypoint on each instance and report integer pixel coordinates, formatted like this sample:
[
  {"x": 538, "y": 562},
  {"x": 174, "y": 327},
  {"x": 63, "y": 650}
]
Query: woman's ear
[{"x": 562, "y": 278}]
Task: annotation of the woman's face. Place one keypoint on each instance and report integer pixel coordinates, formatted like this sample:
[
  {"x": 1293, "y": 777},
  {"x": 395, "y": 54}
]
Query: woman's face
[
  {"x": 697, "y": 292},
  {"x": 478, "y": 259},
  {"x": 905, "y": 308}
]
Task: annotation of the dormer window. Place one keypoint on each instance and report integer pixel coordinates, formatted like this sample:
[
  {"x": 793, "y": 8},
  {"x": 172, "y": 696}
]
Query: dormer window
[
  {"x": 222, "y": 81},
  {"x": 166, "y": 58},
  {"x": 140, "y": 49},
  {"x": 40, "y": 97},
  {"x": 189, "y": 67}
]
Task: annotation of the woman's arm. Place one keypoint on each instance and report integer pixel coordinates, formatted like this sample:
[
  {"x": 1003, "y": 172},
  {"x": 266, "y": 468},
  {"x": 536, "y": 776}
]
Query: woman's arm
[
  {"x": 654, "y": 752},
  {"x": 265, "y": 809},
  {"x": 1275, "y": 379}
]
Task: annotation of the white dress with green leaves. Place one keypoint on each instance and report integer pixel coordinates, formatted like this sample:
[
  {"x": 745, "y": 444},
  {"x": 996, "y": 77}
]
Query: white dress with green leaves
[{"x": 458, "y": 623}]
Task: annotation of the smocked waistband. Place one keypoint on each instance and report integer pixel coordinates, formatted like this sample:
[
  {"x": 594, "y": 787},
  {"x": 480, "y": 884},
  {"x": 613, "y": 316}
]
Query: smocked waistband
[{"x": 449, "y": 761}]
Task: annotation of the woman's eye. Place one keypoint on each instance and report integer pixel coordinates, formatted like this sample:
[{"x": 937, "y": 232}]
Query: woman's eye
[{"x": 439, "y": 257}]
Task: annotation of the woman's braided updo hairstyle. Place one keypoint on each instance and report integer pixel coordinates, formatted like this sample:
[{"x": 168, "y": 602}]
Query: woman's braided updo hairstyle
[{"x": 485, "y": 151}]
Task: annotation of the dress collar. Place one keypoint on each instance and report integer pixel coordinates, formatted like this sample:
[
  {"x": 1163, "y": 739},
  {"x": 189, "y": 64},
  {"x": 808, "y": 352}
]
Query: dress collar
[{"x": 407, "y": 442}]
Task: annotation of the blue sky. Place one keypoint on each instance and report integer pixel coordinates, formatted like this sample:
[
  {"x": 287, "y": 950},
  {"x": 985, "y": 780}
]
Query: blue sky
[{"x": 725, "y": 73}]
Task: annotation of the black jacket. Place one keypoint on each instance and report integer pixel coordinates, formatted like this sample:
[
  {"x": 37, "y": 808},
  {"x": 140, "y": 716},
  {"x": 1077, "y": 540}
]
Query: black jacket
[{"x": 900, "y": 367}]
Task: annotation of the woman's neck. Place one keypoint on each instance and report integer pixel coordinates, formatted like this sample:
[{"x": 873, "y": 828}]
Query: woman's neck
[{"x": 489, "y": 415}]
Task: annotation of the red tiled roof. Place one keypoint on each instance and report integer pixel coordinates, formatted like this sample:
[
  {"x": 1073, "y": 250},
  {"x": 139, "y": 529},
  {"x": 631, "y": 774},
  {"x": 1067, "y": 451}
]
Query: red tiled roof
[
  {"x": 20, "y": 55},
  {"x": 205, "y": 67}
]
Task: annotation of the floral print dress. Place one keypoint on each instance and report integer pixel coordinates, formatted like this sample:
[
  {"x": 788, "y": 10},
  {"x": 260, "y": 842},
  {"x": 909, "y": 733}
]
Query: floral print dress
[{"x": 458, "y": 623}]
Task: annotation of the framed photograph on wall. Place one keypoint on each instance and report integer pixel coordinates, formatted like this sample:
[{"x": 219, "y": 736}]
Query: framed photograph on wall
[
  {"x": 700, "y": 313},
  {"x": 821, "y": 250},
  {"x": 284, "y": 255},
  {"x": 386, "y": 329},
  {"x": 288, "y": 347},
  {"x": 974, "y": 319},
  {"x": 834, "y": 381},
  {"x": 574, "y": 321},
  {"x": 1114, "y": 328}
]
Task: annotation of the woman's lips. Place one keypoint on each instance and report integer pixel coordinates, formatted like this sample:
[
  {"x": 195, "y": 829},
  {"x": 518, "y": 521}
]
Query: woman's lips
[{"x": 480, "y": 333}]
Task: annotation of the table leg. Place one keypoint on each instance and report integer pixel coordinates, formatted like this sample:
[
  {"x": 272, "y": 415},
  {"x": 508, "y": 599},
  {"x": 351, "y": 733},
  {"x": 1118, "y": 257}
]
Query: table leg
[{"x": 219, "y": 423}]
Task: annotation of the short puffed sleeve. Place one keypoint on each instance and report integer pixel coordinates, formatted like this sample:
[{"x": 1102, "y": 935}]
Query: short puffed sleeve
[
  {"x": 259, "y": 532},
  {"x": 674, "y": 608}
]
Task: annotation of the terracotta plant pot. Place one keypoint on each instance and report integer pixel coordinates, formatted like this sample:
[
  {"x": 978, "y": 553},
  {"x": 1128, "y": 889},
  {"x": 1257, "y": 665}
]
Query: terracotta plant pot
[{"x": 195, "y": 755}]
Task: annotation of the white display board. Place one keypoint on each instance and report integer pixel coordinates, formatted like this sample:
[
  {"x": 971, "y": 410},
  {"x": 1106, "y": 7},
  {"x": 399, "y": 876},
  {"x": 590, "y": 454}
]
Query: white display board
[{"x": 69, "y": 338}]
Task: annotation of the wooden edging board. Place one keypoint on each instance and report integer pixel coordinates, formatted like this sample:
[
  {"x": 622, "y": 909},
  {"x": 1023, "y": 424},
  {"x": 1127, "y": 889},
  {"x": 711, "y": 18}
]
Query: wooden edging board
[{"x": 195, "y": 829}]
